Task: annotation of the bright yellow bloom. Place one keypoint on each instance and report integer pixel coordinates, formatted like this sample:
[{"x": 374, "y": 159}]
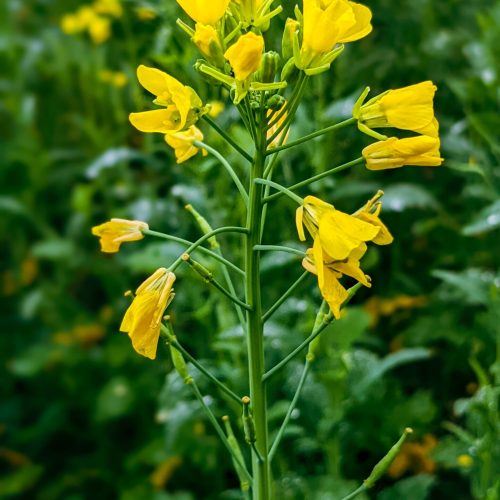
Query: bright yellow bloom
[
  {"x": 420, "y": 151},
  {"x": 182, "y": 143},
  {"x": 182, "y": 104},
  {"x": 142, "y": 320},
  {"x": 245, "y": 55},
  {"x": 339, "y": 233},
  {"x": 204, "y": 12},
  {"x": 117, "y": 231},
  {"x": 111, "y": 8},
  {"x": 331, "y": 22},
  {"x": 408, "y": 108}
]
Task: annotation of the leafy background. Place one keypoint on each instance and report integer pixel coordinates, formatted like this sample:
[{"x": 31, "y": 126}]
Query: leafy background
[{"x": 82, "y": 416}]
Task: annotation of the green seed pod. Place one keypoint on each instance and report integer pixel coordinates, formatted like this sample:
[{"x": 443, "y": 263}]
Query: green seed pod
[
  {"x": 380, "y": 469},
  {"x": 180, "y": 365},
  {"x": 198, "y": 268},
  {"x": 203, "y": 225},
  {"x": 233, "y": 443},
  {"x": 248, "y": 423}
]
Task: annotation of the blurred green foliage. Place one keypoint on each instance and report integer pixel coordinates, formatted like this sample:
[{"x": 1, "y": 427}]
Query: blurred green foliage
[{"x": 82, "y": 416}]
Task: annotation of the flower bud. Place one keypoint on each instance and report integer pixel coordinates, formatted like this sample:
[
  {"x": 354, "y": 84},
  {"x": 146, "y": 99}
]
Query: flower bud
[
  {"x": 268, "y": 67},
  {"x": 291, "y": 27},
  {"x": 206, "y": 39}
]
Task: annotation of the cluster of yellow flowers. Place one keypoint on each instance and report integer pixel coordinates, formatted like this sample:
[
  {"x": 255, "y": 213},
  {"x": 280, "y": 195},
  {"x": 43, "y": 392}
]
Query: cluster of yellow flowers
[
  {"x": 95, "y": 19},
  {"x": 339, "y": 244},
  {"x": 229, "y": 37}
]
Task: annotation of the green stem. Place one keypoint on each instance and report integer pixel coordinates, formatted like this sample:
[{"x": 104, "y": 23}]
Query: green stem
[
  {"x": 227, "y": 166},
  {"x": 278, "y": 248},
  {"x": 308, "y": 137},
  {"x": 316, "y": 331},
  {"x": 355, "y": 493},
  {"x": 227, "y": 138},
  {"x": 281, "y": 188},
  {"x": 203, "y": 370},
  {"x": 205, "y": 237},
  {"x": 231, "y": 297},
  {"x": 219, "y": 430},
  {"x": 285, "y": 296},
  {"x": 288, "y": 415},
  {"x": 315, "y": 178},
  {"x": 255, "y": 332},
  {"x": 226, "y": 263}
]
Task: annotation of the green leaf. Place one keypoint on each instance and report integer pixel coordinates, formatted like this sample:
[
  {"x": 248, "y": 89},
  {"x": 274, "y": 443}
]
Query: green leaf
[
  {"x": 486, "y": 220},
  {"x": 413, "y": 488},
  {"x": 400, "y": 197}
]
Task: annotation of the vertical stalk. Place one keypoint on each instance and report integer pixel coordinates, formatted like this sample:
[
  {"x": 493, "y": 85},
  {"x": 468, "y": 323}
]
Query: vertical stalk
[{"x": 255, "y": 333}]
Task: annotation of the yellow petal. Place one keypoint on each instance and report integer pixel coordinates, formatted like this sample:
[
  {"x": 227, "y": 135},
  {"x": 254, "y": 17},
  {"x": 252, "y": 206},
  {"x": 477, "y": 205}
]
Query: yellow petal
[
  {"x": 333, "y": 292},
  {"x": 362, "y": 26},
  {"x": 159, "y": 120},
  {"x": 245, "y": 55},
  {"x": 204, "y": 12}
]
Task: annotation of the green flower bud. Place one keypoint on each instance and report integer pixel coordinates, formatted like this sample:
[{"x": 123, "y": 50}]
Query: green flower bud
[{"x": 268, "y": 67}]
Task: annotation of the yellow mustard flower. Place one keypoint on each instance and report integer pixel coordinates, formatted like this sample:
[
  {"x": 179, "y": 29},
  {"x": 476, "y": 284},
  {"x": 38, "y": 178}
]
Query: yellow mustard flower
[
  {"x": 245, "y": 55},
  {"x": 145, "y": 13},
  {"x": 421, "y": 151},
  {"x": 204, "y": 12},
  {"x": 407, "y": 108},
  {"x": 206, "y": 39},
  {"x": 117, "y": 231},
  {"x": 339, "y": 233},
  {"x": 111, "y": 8},
  {"x": 370, "y": 212},
  {"x": 71, "y": 24},
  {"x": 465, "y": 461},
  {"x": 99, "y": 29},
  {"x": 327, "y": 23},
  {"x": 142, "y": 320},
  {"x": 115, "y": 78},
  {"x": 182, "y": 106},
  {"x": 182, "y": 143}
]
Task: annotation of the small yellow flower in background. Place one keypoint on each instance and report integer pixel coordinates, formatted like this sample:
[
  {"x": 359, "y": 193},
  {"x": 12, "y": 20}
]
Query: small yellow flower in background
[
  {"x": 327, "y": 23},
  {"x": 117, "y": 231},
  {"x": 182, "y": 143},
  {"x": 115, "y": 78},
  {"x": 414, "y": 457},
  {"x": 245, "y": 55},
  {"x": 164, "y": 472},
  {"x": 142, "y": 319},
  {"x": 182, "y": 105},
  {"x": 215, "y": 108},
  {"x": 407, "y": 108},
  {"x": 146, "y": 13},
  {"x": 465, "y": 461},
  {"x": 421, "y": 151},
  {"x": 99, "y": 29},
  {"x": 71, "y": 24},
  {"x": 203, "y": 11},
  {"x": 111, "y": 8},
  {"x": 378, "y": 307},
  {"x": 280, "y": 138}
]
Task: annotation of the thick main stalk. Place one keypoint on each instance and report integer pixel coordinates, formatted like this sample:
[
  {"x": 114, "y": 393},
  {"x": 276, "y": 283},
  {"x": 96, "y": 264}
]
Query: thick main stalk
[{"x": 255, "y": 334}]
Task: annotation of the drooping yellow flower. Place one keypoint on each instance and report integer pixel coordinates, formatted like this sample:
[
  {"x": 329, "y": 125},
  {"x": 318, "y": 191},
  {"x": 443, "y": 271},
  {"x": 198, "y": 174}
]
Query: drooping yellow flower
[
  {"x": 407, "y": 108},
  {"x": 339, "y": 233},
  {"x": 245, "y": 55},
  {"x": 182, "y": 106},
  {"x": 204, "y": 12},
  {"x": 117, "y": 231},
  {"x": 370, "y": 212},
  {"x": 182, "y": 143},
  {"x": 142, "y": 319},
  {"x": 328, "y": 23},
  {"x": 422, "y": 151}
]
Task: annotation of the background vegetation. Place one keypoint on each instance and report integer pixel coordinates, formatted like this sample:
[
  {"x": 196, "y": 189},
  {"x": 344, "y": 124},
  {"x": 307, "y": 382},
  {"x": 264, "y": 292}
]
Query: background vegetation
[{"x": 82, "y": 416}]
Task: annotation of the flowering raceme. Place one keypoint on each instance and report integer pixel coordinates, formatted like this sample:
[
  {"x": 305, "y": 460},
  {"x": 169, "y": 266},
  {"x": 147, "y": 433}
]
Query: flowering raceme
[
  {"x": 327, "y": 23},
  {"x": 117, "y": 231},
  {"x": 142, "y": 320},
  {"x": 422, "y": 151},
  {"x": 407, "y": 108},
  {"x": 204, "y": 12},
  {"x": 182, "y": 105}
]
